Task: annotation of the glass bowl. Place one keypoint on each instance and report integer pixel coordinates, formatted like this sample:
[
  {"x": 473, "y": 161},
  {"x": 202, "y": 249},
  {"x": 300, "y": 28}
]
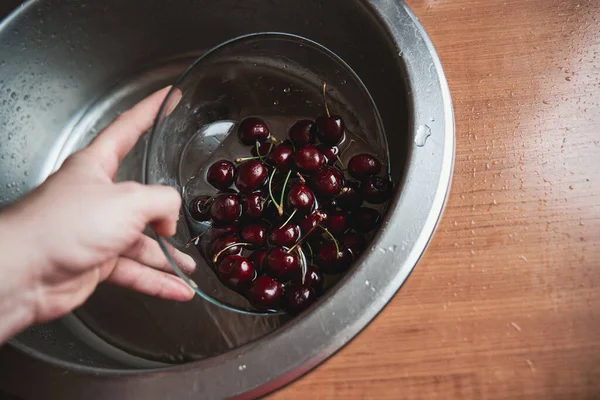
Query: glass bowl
[{"x": 275, "y": 76}]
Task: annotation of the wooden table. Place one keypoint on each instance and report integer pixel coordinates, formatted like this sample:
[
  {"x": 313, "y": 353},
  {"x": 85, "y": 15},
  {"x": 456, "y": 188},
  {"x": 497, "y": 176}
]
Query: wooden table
[{"x": 505, "y": 303}]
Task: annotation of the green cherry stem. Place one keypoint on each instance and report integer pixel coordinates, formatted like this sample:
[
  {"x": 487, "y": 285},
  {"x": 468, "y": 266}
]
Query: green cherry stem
[
  {"x": 324, "y": 85},
  {"x": 312, "y": 254},
  {"x": 337, "y": 246},
  {"x": 216, "y": 257},
  {"x": 279, "y": 209},
  {"x": 289, "y": 219},
  {"x": 302, "y": 263},
  {"x": 287, "y": 178}
]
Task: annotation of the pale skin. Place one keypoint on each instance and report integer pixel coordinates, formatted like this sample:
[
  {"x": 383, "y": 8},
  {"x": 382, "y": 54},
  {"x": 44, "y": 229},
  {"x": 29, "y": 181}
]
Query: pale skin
[{"x": 80, "y": 228}]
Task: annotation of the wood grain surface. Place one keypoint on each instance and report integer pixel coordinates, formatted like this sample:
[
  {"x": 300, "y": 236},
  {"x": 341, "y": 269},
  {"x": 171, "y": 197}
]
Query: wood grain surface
[{"x": 505, "y": 303}]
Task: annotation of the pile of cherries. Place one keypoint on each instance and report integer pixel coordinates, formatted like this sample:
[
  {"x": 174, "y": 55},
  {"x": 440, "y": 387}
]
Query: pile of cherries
[{"x": 294, "y": 216}]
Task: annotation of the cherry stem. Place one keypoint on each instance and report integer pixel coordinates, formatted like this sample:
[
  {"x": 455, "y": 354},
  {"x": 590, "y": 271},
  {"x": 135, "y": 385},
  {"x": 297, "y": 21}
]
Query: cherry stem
[
  {"x": 195, "y": 239},
  {"x": 242, "y": 159},
  {"x": 325, "y": 98},
  {"x": 302, "y": 263},
  {"x": 262, "y": 158},
  {"x": 302, "y": 239},
  {"x": 312, "y": 255},
  {"x": 289, "y": 219},
  {"x": 339, "y": 160},
  {"x": 216, "y": 257},
  {"x": 337, "y": 246},
  {"x": 301, "y": 177},
  {"x": 279, "y": 210},
  {"x": 280, "y": 207}
]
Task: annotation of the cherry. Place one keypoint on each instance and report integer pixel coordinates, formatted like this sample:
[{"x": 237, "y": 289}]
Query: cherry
[
  {"x": 337, "y": 222},
  {"x": 251, "y": 175},
  {"x": 350, "y": 197},
  {"x": 257, "y": 258},
  {"x": 300, "y": 198},
  {"x": 198, "y": 208},
  {"x": 254, "y": 233},
  {"x": 330, "y": 129},
  {"x": 222, "y": 242},
  {"x": 355, "y": 242},
  {"x": 308, "y": 159},
  {"x": 331, "y": 153},
  {"x": 220, "y": 174},
  {"x": 298, "y": 298},
  {"x": 331, "y": 261},
  {"x": 302, "y": 132},
  {"x": 253, "y": 130},
  {"x": 327, "y": 182},
  {"x": 376, "y": 189},
  {"x": 282, "y": 264},
  {"x": 362, "y": 166},
  {"x": 310, "y": 221},
  {"x": 281, "y": 157},
  {"x": 225, "y": 208},
  {"x": 263, "y": 149},
  {"x": 365, "y": 219},
  {"x": 236, "y": 272},
  {"x": 222, "y": 229},
  {"x": 286, "y": 235},
  {"x": 253, "y": 205},
  {"x": 314, "y": 278},
  {"x": 265, "y": 292}
]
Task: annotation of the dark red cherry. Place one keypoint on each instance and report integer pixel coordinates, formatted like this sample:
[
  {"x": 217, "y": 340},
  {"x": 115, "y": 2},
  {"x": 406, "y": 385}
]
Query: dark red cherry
[
  {"x": 314, "y": 278},
  {"x": 355, "y": 242},
  {"x": 225, "y": 208},
  {"x": 362, "y": 166},
  {"x": 221, "y": 243},
  {"x": 327, "y": 182},
  {"x": 281, "y": 157},
  {"x": 286, "y": 235},
  {"x": 257, "y": 258},
  {"x": 350, "y": 197},
  {"x": 337, "y": 222},
  {"x": 251, "y": 176},
  {"x": 199, "y": 209},
  {"x": 282, "y": 264},
  {"x": 236, "y": 272},
  {"x": 331, "y": 153},
  {"x": 253, "y": 130},
  {"x": 365, "y": 219},
  {"x": 300, "y": 198},
  {"x": 265, "y": 292},
  {"x": 330, "y": 130},
  {"x": 220, "y": 174},
  {"x": 302, "y": 133},
  {"x": 308, "y": 159},
  {"x": 310, "y": 221},
  {"x": 263, "y": 149},
  {"x": 222, "y": 229},
  {"x": 376, "y": 189},
  {"x": 298, "y": 298},
  {"x": 253, "y": 205},
  {"x": 254, "y": 233},
  {"x": 331, "y": 261}
]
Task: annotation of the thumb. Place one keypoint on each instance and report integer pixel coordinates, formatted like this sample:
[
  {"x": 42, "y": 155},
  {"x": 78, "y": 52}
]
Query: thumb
[{"x": 156, "y": 205}]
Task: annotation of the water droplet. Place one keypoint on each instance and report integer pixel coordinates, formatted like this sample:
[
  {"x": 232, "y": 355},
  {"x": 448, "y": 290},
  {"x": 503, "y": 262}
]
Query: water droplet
[
  {"x": 276, "y": 102},
  {"x": 13, "y": 95},
  {"x": 423, "y": 132},
  {"x": 26, "y": 97},
  {"x": 286, "y": 90}
]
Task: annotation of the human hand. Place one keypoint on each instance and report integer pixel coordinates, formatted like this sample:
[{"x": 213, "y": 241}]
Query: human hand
[{"x": 80, "y": 228}]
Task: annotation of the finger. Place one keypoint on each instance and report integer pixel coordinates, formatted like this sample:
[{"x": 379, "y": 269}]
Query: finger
[
  {"x": 164, "y": 228},
  {"x": 133, "y": 275},
  {"x": 157, "y": 205},
  {"x": 117, "y": 139},
  {"x": 148, "y": 252}
]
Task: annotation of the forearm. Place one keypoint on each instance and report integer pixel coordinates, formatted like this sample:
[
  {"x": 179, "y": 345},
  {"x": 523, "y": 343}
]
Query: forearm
[{"x": 17, "y": 289}]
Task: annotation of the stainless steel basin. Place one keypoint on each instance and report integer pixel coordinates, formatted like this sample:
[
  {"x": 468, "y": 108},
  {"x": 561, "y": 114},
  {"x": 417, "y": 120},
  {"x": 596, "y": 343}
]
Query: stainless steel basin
[{"x": 68, "y": 67}]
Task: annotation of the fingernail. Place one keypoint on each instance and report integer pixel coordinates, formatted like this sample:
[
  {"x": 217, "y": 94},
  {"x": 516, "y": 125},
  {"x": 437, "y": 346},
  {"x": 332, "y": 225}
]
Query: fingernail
[
  {"x": 188, "y": 262},
  {"x": 193, "y": 284}
]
